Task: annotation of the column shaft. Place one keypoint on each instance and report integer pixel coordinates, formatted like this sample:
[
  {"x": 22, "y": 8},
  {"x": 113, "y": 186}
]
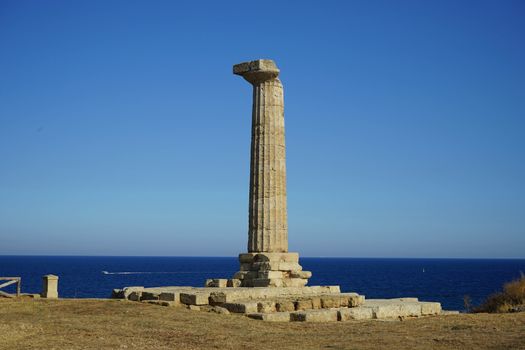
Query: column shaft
[{"x": 268, "y": 227}]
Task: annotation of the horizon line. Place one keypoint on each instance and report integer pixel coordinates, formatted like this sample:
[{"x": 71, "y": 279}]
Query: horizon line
[{"x": 230, "y": 256}]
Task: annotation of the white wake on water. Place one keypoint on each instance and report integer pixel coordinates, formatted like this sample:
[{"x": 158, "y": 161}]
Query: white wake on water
[{"x": 146, "y": 272}]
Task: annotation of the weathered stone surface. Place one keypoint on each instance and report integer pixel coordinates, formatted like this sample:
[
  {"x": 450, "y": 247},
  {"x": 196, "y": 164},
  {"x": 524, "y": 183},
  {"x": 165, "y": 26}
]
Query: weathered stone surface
[
  {"x": 355, "y": 313},
  {"x": 268, "y": 219},
  {"x": 271, "y": 274},
  {"x": 285, "y": 306},
  {"x": 149, "y": 296},
  {"x": 274, "y": 317},
  {"x": 406, "y": 299},
  {"x": 172, "y": 297},
  {"x": 246, "y": 258},
  {"x": 276, "y": 257},
  {"x": 117, "y": 294},
  {"x": 268, "y": 226},
  {"x": 267, "y": 306},
  {"x": 410, "y": 309},
  {"x": 330, "y": 301},
  {"x": 294, "y": 282},
  {"x": 333, "y": 289},
  {"x": 304, "y": 304},
  {"x": 216, "y": 282},
  {"x": 49, "y": 287},
  {"x": 127, "y": 291},
  {"x": 233, "y": 282},
  {"x": 300, "y": 274},
  {"x": 430, "y": 308},
  {"x": 258, "y": 66},
  {"x": 314, "y": 316},
  {"x": 241, "y": 307},
  {"x": 386, "y": 311},
  {"x": 194, "y": 307},
  {"x": 316, "y": 302},
  {"x": 195, "y": 298},
  {"x": 352, "y": 299},
  {"x": 135, "y": 296}
]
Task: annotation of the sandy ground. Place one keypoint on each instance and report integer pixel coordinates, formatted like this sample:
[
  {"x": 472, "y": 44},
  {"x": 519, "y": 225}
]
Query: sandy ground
[{"x": 113, "y": 324}]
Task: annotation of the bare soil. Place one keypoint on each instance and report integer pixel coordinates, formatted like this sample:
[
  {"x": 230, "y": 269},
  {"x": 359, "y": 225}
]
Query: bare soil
[{"x": 113, "y": 324}]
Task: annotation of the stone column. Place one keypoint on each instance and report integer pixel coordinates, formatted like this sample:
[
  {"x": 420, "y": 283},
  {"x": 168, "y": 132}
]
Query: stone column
[
  {"x": 268, "y": 227},
  {"x": 268, "y": 262}
]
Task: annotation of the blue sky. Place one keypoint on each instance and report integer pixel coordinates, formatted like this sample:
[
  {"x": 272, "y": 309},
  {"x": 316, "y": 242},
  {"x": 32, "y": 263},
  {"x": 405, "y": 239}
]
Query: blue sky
[{"x": 124, "y": 132}]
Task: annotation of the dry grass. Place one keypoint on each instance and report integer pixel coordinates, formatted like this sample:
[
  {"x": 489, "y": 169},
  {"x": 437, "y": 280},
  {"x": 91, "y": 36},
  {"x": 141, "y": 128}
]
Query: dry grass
[
  {"x": 511, "y": 299},
  {"x": 112, "y": 324}
]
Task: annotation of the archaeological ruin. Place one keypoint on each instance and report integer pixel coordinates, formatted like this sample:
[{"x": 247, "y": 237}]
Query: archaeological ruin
[{"x": 271, "y": 284}]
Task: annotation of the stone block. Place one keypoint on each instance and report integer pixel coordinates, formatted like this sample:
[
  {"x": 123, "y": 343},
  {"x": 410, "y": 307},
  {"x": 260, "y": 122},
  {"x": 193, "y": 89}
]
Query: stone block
[
  {"x": 128, "y": 290},
  {"x": 386, "y": 311},
  {"x": 352, "y": 299},
  {"x": 314, "y": 316},
  {"x": 49, "y": 287},
  {"x": 255, "y": 66},
  {"x": 194, "y": 307},
  {"x": 277, "y": 257},
  {"x": 285, "y": 306},
  {"x": 407, "y": 299},
  {"x": 355, "y": 313},
  {"x": 430, "y": 308},
  {"x": 276, "y": 266},
  {"x": 135, "y": 296},
  {"x": 409, "y": 309},
  {"x": 334, "y": 289},
  {"x": 241, "y": 307},
  {"x": 330, "y": 301},
  {"x": 117, "y": 294},
  {"x": 246, "y": 258},
  {"x": 294, "y": 282},
  {"x": 196, "y": 298},
  {"x": 171, "y": 297},
  {"x": 216, "y": 282},
  {"x": 266, "y": 306},
  {"x": 316, "y": 302},
  {"x": 303, "y": 304},
  {"x": 149, "y": 296},
  {"x": 271, "y": 274},
  {"x": 246, "y": 267},
  {"x": 240, "y": 275},
  {"x": 301, "y": 274},
  {"x": 290, "y": 266},
  {"x": 275, "y": 317},
  {"x": 233, "y": 282},
  {"x": 268, "y": 282}
]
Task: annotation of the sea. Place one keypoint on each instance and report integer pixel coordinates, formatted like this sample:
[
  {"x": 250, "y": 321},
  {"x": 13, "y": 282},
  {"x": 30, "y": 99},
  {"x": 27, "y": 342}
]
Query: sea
[{"x": 448, "y": 281}]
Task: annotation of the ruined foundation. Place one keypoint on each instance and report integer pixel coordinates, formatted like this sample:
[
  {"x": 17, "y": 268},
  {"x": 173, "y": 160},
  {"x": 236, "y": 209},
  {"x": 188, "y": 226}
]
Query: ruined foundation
[
  {"x": 271, "y": 284},
  {"x": 286, "y": 304}
]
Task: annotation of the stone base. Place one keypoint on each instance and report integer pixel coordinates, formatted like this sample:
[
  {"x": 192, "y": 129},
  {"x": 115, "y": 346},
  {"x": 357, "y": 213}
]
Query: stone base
[
  {"x": 271, "y": 270},
  {"x": 302, "y": 304}
]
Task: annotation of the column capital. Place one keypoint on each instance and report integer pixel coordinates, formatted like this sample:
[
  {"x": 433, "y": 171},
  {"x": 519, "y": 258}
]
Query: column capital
[{"x": 258, "y": 71}]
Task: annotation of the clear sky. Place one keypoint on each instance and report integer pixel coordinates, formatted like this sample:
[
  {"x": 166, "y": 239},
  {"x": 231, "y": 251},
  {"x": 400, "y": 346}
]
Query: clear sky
[{"x": 124, "y": 132}]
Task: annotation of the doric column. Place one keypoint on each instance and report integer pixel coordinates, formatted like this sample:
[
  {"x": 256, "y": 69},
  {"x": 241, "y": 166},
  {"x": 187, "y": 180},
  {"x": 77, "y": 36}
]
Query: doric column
[
  {"x": 268, "y": 262},
  {"x": 268, "y": 227}
]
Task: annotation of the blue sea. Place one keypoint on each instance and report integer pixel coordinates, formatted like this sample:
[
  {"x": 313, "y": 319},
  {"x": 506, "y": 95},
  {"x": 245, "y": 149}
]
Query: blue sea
[{"x": 443, "y": 280}]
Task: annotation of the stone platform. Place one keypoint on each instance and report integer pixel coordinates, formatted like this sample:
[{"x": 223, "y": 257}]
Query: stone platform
[{"x": 285, "y": 304}]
